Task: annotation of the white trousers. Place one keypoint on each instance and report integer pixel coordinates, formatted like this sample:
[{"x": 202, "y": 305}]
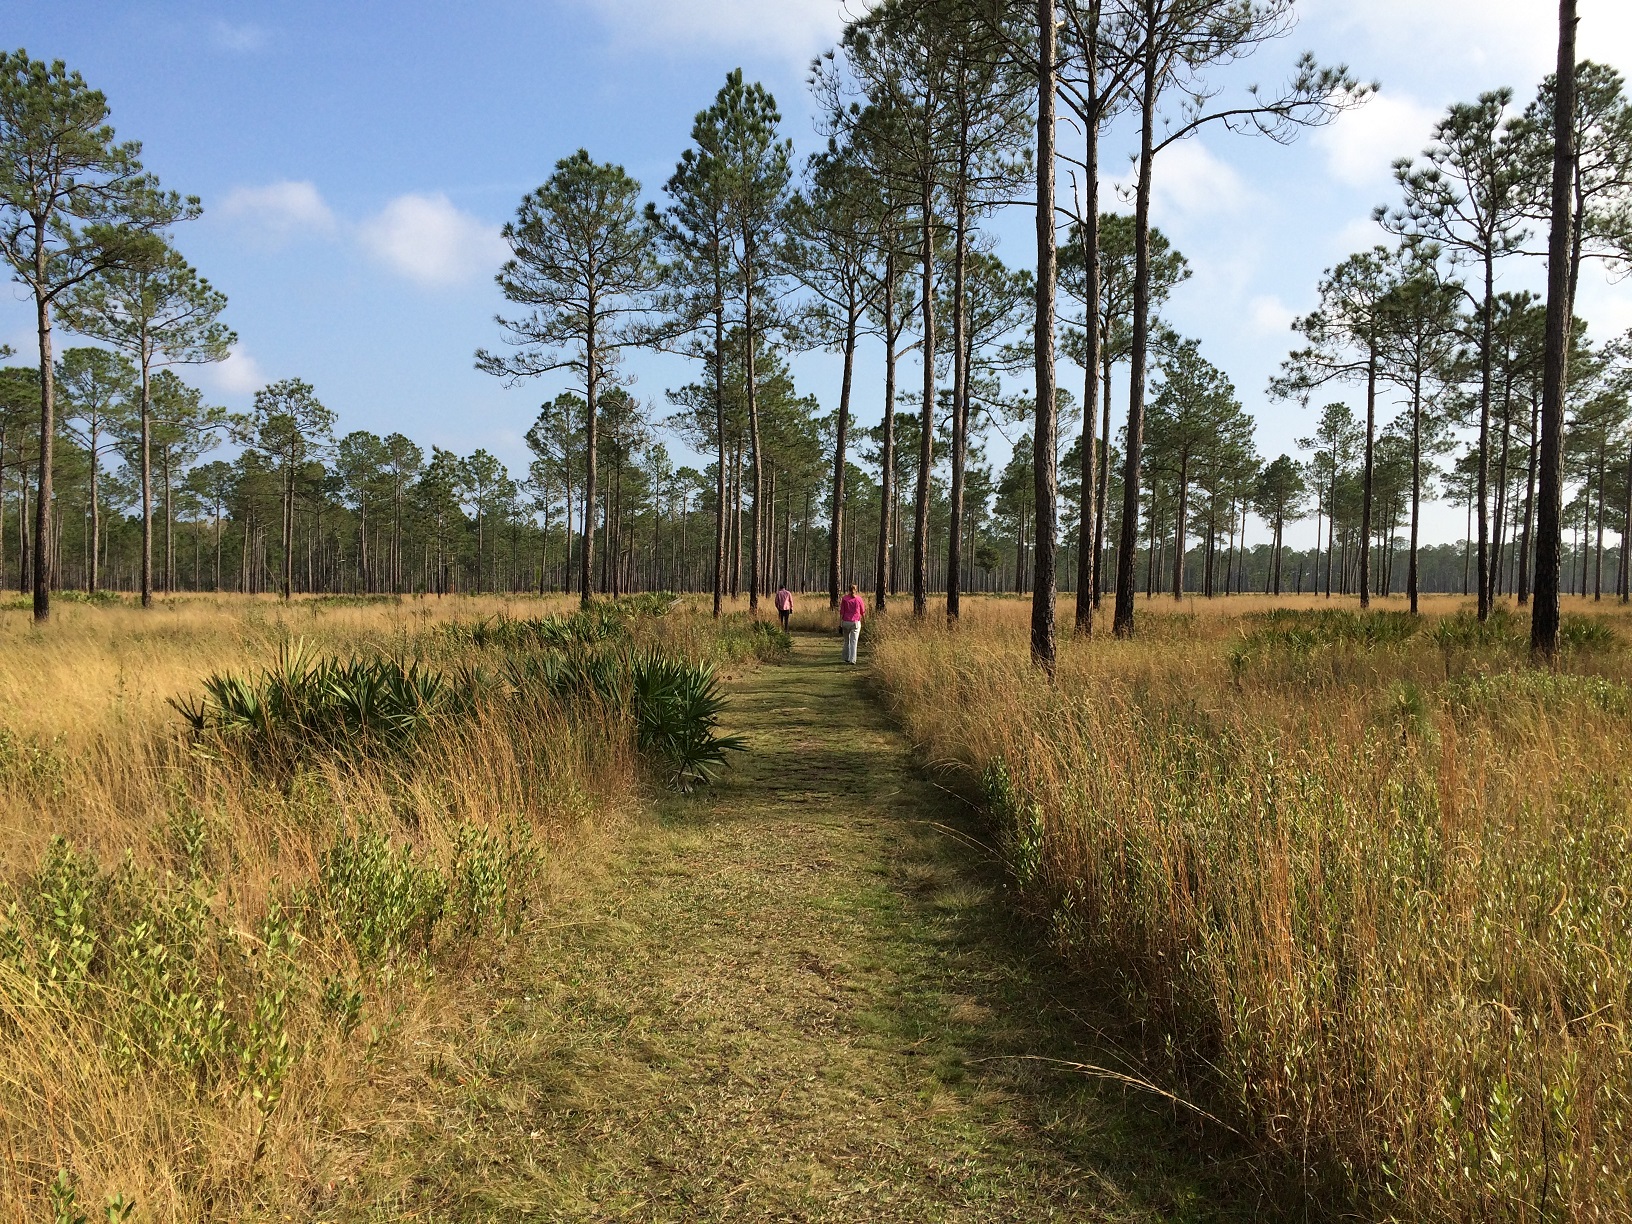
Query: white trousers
[{"x": 852, "y": 634}]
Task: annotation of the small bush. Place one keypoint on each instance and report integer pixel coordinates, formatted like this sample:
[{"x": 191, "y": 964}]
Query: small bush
[{"x": 306, "y": 702}]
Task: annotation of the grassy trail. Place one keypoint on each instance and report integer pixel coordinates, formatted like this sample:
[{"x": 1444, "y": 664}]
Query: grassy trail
[{"x": 795, "y": 997}]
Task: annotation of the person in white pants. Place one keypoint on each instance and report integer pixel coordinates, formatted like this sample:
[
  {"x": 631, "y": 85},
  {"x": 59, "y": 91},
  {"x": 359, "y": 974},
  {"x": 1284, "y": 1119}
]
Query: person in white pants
[{"x": 852, "y": 608}]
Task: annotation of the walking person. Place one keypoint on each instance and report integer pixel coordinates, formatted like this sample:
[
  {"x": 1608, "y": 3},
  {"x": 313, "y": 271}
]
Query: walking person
[
  {"x": 851, "y": 610},
  {"x": 784, "y": 605}
]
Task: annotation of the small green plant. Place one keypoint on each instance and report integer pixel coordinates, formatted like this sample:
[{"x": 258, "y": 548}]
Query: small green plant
[
  {"x": 384, "y": 902},
  {"x": 677, "y": 709}
]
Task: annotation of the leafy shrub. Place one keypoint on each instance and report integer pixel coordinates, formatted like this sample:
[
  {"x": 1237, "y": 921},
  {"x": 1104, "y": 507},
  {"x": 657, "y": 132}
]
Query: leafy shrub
[
  {"x": 382, "y": 901},
  {"x": 1586, "y": 634},
  {"x": 167, "y": 984},
  {"x": 677, "y": 713},
  {"x": 305, "y": 702},
  {"x": 742, "y": 638}
]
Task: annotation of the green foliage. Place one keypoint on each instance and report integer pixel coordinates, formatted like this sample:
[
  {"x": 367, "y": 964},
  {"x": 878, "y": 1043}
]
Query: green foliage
[
  {"x": 677, "y": 712},
  {"x": 305, "y": 702},
  {"x": 168, "y": 984},
  {"x": 741, "y": 638},
  {"x": 1287, "y": 632},
  {"x": 384, "y": 902}
]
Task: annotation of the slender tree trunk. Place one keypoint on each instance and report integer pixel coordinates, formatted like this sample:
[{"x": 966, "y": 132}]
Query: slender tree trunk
[
  {"x": 1598, "y": 560},
  {"x": 886, "y": 462},
  {"x": 1178, "y": 527},
  {"x": 1481, "y": 486},
  {"x": 1544, "y": 615},
  {"x": 840, "y": 458},
  {"x": 48, "y": 427},
  {"x": 1412, "y": 576},
  {"x": 586, "y": 564},
  {"x": 1370, "y": 472},
  {"x": 1044, "y": 459},
  {"x": 96, "y": 518},
  {"x": 1104, "y": 484},
  {"x": 926, "y": 440},
  {"x": 1088, "y": 526},
  {"x": 1122, "y": 622},
  {"x": 960, "y": 380}
]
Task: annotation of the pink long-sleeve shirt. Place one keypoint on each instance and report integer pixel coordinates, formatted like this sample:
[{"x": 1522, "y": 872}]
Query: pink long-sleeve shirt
[{"x": 851, "y": 608}]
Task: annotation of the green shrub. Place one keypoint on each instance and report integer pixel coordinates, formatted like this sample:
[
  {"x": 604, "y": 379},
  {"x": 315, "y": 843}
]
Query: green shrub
[
  {"x": 382, "y": 901},
  {"x": 306, "y": 702},
  {"x": 677, "y": 713}
]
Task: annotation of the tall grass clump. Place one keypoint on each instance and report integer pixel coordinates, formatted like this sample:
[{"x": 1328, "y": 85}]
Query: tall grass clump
[
  {"x": 235, "y": 944},
  {"x": 1364, "y": 886}
]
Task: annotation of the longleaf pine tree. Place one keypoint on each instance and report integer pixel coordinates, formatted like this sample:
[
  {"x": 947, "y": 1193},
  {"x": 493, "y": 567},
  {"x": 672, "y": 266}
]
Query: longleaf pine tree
[{"x": 584, "y": 268}]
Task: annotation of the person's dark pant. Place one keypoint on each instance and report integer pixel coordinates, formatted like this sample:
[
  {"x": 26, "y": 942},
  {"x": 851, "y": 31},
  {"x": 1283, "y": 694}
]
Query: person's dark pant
[{"x": 784, "y": 616}]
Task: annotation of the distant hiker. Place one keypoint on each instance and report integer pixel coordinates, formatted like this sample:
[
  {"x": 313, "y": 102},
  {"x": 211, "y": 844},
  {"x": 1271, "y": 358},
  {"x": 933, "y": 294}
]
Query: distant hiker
[
  {"x": 784, "y": 605},
  {"x": 851, "y": 610}
]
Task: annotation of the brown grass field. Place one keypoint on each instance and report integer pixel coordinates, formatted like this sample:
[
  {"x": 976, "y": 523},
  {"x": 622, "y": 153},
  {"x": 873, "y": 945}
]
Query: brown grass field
[
  {"x": 1358, "y": 885},
  {"x": 174, "y": 1030},
  {"x": 1363, "y": 884}
]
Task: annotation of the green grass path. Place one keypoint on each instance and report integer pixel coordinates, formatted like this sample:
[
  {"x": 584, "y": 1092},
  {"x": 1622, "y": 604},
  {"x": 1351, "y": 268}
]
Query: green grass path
[{"x": 796, "y": 996}]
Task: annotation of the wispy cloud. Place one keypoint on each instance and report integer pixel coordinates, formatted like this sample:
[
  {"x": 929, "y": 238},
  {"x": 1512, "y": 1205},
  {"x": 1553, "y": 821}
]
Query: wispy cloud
[
  {"x": 239, "y": 374},
  {"x": 427, "y": 240},
  {"x": 1363, "y": 143},
  {"x": 421, "y": 236},
  {"x": 242, "y": 38},
  {"x": 797, "y": 29},
  {"x": 276, "y": 213}
]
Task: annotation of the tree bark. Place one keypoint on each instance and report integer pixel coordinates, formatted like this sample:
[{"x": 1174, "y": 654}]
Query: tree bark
[
  {"x": 1122, "y": 622},
  {"x": 840, "y": 457},
  {"x": 1045, "y": 511},
  {"x": 886, "y": 490},
  {"x": 1088, "y": 526},
  {"x": 1544, "y": 614},
  {"x": 926, "y": 441}
]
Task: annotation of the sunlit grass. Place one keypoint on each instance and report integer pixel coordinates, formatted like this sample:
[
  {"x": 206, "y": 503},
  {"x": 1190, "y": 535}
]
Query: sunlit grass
[
  {"x": 1366, "y": 888},
  {"x": 217, "y": 976}
]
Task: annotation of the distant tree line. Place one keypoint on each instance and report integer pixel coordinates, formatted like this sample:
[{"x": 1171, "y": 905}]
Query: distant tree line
[{"x": 934, "y": 113}]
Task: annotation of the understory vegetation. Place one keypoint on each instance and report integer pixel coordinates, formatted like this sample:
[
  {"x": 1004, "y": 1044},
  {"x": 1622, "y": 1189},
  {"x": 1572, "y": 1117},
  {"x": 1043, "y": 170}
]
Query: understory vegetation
[
  {"x": 1362, "y": 880},
  {"x": 256, "y": 863}
]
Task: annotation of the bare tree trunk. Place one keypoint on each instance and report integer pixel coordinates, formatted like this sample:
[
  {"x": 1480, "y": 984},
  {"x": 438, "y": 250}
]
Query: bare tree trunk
[
  {"x": 1122, "y": 622},
  {"x": 1366, "y": 482},
  {"x": 886, "y": 475},
  {"x": 1044, "y": 459},
  {"x": 1089, "y": 528},
  {"x": 840, "y": 457},
  {"x": 926, "y": 440},
  {"x": 1544, "y": 615}
]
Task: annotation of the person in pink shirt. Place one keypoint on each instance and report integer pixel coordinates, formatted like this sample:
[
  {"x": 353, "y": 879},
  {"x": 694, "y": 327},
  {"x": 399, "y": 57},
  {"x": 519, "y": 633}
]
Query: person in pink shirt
[
  {"x": 851, "y": 610},
  {"x": 784, "y": 605}
]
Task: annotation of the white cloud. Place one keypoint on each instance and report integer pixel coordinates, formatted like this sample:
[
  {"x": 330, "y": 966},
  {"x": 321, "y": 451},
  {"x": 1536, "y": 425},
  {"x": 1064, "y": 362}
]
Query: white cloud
[
  {"x": 1269, "y": 316},
  {"x": 797, "y": 29},
  {"x": 1362, "y": 144},
  {"x": 241, "y": 38},
  {"x": 239, "y": 374},
  {"x": 429, "y": 241},
  {"x": 1513, "y": 40},
  {"x": 1191, "y": 183},
  {"x": 277, "y": 212}
]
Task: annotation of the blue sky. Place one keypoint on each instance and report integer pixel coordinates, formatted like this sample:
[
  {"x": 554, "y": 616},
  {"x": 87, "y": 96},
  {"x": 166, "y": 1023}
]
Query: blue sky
[{"x": 356, "y": 160}]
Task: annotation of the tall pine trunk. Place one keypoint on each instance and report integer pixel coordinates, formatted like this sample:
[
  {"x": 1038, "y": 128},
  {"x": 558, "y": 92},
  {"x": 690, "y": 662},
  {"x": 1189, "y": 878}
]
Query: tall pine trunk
[
  {"x": 1544, "y": 614},
  {"x": 1045, "y": 512}
]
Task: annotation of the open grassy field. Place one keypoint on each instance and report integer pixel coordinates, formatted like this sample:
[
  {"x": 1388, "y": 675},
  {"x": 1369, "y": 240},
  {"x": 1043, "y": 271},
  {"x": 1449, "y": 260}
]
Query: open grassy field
[
  {"x": 1362, "y": 882},
  {"x": 227, "y": 956}
]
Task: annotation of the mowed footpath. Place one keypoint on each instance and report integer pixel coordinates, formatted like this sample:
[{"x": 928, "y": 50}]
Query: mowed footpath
[{"x": 798, "y": 996}]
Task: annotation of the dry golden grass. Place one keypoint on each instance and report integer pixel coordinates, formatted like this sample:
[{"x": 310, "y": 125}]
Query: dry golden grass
[
  {"x": 185, "y": 858},
  {"x": 1368, "y": 896}
]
